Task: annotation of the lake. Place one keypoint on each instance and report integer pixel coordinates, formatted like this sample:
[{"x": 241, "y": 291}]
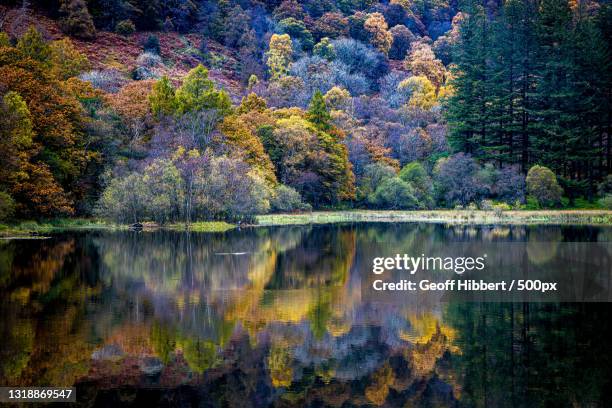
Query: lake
[{"x": 277, "y": 317}]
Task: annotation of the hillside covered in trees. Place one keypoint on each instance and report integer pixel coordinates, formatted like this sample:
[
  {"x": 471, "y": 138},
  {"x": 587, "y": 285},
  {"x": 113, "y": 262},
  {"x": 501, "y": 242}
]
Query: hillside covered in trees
[{"x": 184, "y": 110}]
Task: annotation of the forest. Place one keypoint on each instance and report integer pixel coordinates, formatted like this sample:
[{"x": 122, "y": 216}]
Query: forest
[{"x": 186, "y": 110}]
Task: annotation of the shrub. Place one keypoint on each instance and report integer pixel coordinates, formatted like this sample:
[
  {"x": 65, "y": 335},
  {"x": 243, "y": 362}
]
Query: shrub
[
  {"x": 7, "y": 206},
  {"x": 109, "y": 80},
  {"x": 373, "y": 175},
  {"x": 415, "y": 174},
  {"x": 542, "y": 184},
  {"x": 287, "y": 199},
  {"x": 253, "y": 80},
  {"x": 144, "y": 73},
  {"x": 606, "y": 202},
  {"x": 394, "y": 194},
  {"x": 500, "y": 208},
  {"x": 151, "y": 45},
  {"x": 605, "y": 187},
  {"x": 125, "y": 27},
  {"x": 531, "y": 203},
  {"x": 585, "y": 204},
  {"x": 203, "y": 51},
  {"x": 457, "y": 180},
  {"x": 486, "y": 205},
  {"x": 75, "y": 19},
  {"x": 148, "y": 59},
  {"x": 508, "y": 184},
  {"x": 5, "y": 41}
]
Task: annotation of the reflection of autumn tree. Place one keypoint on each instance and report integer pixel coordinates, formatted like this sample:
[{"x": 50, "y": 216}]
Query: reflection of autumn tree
[
  {"x": 424, "y": 356},
  {"x": 186, "y": 280},
  {"x": 279, "y": 364},
  {"x": 296, "y": 283},
  {"x": 61, "y": 353},
  {"x": 18, "y": 339},
  {"x": 35, "y": 274},
  {"x": 320, "y": 314},
  {"x": 323, "y": 258},
  {"x": 46, "y": 335},
  {"x": 163, "y": 341},
  {"x": 378, "y": 389},
  {"x": 424, "y": 327},
  {"x": 200, "y": 354},
  {"x": 131, "y": 338},
  {"x": 285, "y": 276},
  {"x": 302, "y": 282},
  {"x": 6, "y": 262}
]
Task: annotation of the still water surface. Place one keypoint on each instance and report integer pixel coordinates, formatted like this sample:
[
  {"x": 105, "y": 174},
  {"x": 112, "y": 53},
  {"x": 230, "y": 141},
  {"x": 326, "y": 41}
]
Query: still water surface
[{"x": 276, "y": 317}]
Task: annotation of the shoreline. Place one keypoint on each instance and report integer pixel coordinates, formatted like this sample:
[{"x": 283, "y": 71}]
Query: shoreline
[
  {"x": 457, "y": 217},
  {"x": 454, "y": 217}
]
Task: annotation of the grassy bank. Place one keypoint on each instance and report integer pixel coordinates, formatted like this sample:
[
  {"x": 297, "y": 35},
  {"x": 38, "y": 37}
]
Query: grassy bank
[
  {"x": 34, "y": 228},
  {"x": 579, "y": 217},
  {"x": 583, "y": 217},
  {"x": 28, "y": 228},
  {"x": 202, "y": 226}
]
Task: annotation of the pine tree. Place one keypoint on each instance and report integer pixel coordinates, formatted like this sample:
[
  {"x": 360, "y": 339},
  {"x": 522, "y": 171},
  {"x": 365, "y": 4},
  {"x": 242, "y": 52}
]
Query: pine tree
[
  {"x": 603, "y": 90},
  {"x": 594, "y": 61},
  {"x": 564, "y": 137},
  {"x": 514, "y": 48},
  {"x": 554, "y": 129},
  {"x": 532, "y": 86},
  {"x": 334, "y": 168},
  {"x": 317, "y": 112},
  {"x": 468, "y": 106}
]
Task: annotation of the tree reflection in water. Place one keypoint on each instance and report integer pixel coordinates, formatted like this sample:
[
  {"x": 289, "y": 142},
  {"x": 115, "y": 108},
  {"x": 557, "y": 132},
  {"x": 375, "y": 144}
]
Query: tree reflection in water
[{"x": 275, "y": 316}]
